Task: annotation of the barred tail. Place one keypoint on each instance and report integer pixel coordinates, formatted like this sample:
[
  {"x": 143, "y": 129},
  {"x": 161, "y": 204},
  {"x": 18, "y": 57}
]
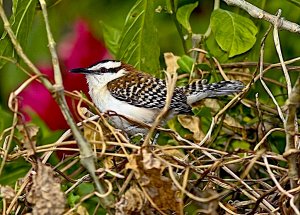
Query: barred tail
[{"x": 199, "y": 90}]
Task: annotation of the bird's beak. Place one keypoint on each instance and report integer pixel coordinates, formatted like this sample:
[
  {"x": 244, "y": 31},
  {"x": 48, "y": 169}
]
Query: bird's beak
[{"x": 81, "y": 70}]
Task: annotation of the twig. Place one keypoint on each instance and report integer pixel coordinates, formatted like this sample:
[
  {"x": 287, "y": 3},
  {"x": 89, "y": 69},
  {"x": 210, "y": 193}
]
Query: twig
[
  {"x": 280, "y": 187},
  {"x": 227, "y": 209},
  {"x": 170, "y": 83},
  {"x": 264, "y": 196},
  {"x": 13, "y": 105},
  {"x": 278, "y": 49},
  {"x": 254, "y": 64},
  {"x": 291, "y": 127},
  {"x": 276, "y": 65},
  {"x": 21, "y": 188},
  {"x": 58, "y": 88},
  {"x": 254, "y": 196},
  {"x": 266, "y": 136},
  {"x": 208, "y": 134},
  {"x": 87, "y": 157},
  {"x": 192, "y": 196},
  {"x": 261, "y": 75},
  {"x": 260, "y": 14}
]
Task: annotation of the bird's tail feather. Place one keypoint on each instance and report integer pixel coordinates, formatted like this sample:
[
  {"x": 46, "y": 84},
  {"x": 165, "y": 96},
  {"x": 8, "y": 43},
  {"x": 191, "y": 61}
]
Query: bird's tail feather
[{"x": 199, "y": 90}]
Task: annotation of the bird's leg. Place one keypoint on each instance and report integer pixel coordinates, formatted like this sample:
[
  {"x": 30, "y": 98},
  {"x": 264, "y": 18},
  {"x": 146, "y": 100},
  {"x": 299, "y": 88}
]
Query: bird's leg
[{"x": 156, "y": 135}]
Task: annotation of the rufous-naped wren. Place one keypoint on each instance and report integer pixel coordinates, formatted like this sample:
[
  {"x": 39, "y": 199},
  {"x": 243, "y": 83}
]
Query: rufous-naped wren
[{"x": 121, "y": 89}]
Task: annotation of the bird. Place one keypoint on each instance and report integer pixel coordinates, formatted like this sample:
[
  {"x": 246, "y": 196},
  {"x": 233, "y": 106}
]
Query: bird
[{"x": 119, "y": 88}]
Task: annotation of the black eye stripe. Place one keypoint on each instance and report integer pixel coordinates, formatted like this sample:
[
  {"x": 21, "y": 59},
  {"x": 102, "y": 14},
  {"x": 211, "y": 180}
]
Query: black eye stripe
[
  {"x": 103, "y": 70},
  {"x": 114, "y": 70}
]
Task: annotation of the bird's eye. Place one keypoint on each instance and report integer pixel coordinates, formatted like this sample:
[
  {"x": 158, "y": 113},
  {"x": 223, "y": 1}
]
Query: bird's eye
[
  {"x": 103, "y": 70},
  {"x": 112, "y": 70}
]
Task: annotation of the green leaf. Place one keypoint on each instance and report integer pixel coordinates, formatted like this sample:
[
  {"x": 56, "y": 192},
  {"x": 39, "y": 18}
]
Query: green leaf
[
  {"x": 183, "y": 15},
  {"x": 203, "y": 66},
  {"x": 235, "y": 34},
  {"x": 237, "y": 144},
  {"x": 111, "y": 37},
  {"x": 186, "y": 63},
  {"x": 295, "y": 2},
  {"x": 20, "y": 21},
  {"x": 138, "y": 43},
  {"x": 169, "y": 6},
  {"x": 5, "y": 119},
  {"x": 13, "y": 171},
  {"x": 73, "y": 199}
]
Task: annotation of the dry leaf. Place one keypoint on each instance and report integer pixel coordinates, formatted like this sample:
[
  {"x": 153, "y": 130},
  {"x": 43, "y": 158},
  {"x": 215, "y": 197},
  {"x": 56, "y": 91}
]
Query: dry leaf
[
  {"x": 207, "y": 207},
  {"x": 133, "y": 201},
  {"x": 172, "y": 152},
  {"x": 29, "y": 134},
  {"x": 215, "y": 107},
  {"x": 96, "y": 131},
  {"x": 45, "y": 194},
  {"x": 171, "y": 62},
  {"x": 212, "y": 104},
  {"x": 232, "y": 122},
  {"x": 192, "y": 123},
  {"x": 150, "y": 161},
  {"x": 108, "y": 162},
  {"x": 81, "y": 210},
  {"x": 148, "y": 171},
  {"x": 91, "y": 132},
  {"x": 7, "y": 193},
  {"x": 132, "y": 163}
]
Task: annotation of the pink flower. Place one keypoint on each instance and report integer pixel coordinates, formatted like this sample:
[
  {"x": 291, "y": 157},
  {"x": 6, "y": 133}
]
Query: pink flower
[{"x": 79, "y": 49}]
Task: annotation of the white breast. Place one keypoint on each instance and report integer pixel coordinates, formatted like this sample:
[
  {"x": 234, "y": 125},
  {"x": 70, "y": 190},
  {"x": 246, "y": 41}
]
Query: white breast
[{"x": 106, "y": 102}]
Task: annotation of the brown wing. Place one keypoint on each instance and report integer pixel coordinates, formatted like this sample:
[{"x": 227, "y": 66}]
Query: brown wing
[{"x": 143, "y": 90}]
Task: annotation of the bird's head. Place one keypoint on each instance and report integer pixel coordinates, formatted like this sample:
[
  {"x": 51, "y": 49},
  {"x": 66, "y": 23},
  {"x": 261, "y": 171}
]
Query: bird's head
[
  {"x": 101, "y": 68},
  {"x": 103, "y": 71}
]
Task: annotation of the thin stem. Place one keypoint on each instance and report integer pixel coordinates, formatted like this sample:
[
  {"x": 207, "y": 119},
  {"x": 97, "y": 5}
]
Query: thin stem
[
  {"x": 55, "y": 63},
  {"x": 87, "y": 157},
  {"x": 178, "y": 26},
  {"x": 261, "y": 75},
  {"x": 278, "y": 49},
  {"x": 260, "y": 14},
  {"x": 208, "y": 31},
  {"x": 291, "y": 127}
]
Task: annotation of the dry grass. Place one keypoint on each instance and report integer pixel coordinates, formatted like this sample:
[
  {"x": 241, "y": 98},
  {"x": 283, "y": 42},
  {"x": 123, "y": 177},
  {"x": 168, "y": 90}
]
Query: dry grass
[{"x": 155, "y": 178}]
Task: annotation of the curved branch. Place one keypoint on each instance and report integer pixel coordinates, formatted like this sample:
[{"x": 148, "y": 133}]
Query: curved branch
[{"x": 260, "y": 14}]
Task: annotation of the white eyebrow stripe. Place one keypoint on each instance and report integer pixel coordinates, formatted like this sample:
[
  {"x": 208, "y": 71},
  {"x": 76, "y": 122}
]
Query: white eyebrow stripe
[{"x": 106, "y": 65}]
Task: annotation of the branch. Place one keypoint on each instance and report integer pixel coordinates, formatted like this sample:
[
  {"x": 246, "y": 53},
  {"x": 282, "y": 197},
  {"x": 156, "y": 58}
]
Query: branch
[
  {"x": 260, "y": 14},
  {"x": 238, "y": 65},
  {"x": 291, "y": 153},
  {"x": 261, "y": 58},
  {"x": 171, "y": 78},
  {"x": 278, "y": 49},
  {"x": 87, "y": 157}
]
